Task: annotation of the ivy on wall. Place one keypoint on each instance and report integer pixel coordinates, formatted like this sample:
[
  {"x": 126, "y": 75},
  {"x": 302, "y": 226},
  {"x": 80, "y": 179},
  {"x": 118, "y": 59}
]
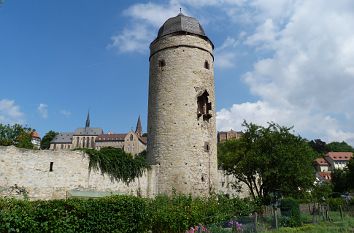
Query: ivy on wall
[{"x": 117, "y": 164}]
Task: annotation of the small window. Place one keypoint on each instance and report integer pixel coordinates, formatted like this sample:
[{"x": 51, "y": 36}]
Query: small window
[
  {"x": 206, "y": 65},
  {"x": 51, "y": 166},
  {"x": 131, "y": 137},
  {"x": 206, "y": 147},
  {"x": 162, "y": 63},
  {"x": 204, "y": 106}
]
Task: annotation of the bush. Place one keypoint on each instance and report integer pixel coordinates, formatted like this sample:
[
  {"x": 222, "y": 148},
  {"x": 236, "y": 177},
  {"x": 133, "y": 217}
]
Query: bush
[
  {"x": 290, "y": 211},
  {"x": 118, "y": 214},
  {"x": 112, "y": 214},
  {"x": 334, "y": 203}
]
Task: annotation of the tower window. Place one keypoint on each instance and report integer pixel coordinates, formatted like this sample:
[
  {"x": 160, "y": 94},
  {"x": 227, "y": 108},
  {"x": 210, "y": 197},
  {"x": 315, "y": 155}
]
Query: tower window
[
  {"x": 206, "y": 147},
  {"x": 204, "y": 106},
  {"x": 51, "y": 166},
  {"x": 206, "y": 65},
  {"x": 162, "y": 63},
  {"x": 131, "y": 137}
]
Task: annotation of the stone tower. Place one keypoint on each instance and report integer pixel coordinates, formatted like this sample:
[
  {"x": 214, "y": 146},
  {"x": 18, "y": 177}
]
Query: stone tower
[{"x": 181, "y": 115}]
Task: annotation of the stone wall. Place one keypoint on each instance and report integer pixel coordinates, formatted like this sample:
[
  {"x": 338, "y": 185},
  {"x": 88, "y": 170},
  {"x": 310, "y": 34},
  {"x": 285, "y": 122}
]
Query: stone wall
[
  {"x": 30, "y": 170},
  {"x": 180, "y": 141}
]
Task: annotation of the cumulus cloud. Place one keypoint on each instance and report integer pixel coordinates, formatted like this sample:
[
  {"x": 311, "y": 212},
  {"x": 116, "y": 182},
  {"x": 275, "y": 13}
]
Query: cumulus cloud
[
  {"x": 308, "y": 79},
  {"x": 302, "y": 54},
  {"x": 43, "y": 110},
  {"x": 10, "y": 113},
  {"x": 145, "y": 20}
]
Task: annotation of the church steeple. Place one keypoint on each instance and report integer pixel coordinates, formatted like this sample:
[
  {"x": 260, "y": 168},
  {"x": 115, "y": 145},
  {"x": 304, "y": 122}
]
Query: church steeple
[
  {"x": 88, "y": 120},
  {"x": 138, "y": 129}
]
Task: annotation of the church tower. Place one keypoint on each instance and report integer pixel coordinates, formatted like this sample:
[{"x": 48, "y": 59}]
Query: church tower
[{"x": 181, "y": 114}]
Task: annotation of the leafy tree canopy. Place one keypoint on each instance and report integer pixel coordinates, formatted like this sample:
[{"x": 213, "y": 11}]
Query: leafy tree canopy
[
  {"x": 339, "y": 147},
  {"x": 319, "y": 146},
  {"x": 269, "y": 160},
  {"x": 16, "y": 135},
  {"x": 322, "y": 148},
  {"x": 48, "y": 137}
]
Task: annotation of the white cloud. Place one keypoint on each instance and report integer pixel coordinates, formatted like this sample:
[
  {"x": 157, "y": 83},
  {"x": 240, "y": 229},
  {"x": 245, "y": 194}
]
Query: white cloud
[
  {"x": 43, "y": 110},
  {"x": 303, "y": 53},
  {"x": 145, "y": 20},
  {"x": 308, "y": 80},
  {"x": 135, "y": 39},
  {"x": 66, "y": 113},
  {"x": 10, "y": 112}
]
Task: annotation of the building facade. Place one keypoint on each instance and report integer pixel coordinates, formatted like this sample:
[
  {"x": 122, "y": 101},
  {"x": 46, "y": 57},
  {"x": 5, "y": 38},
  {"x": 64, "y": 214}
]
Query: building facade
[
  {"x": 332, "y": 160},
  {"x": 181, "y": 111},
  {"x": 228, "y": 135},
  {"x": 94, "y": 138}
]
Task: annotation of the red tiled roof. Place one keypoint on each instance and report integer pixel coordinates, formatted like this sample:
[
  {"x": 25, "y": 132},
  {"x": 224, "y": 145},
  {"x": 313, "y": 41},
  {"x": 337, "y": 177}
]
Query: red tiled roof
[
  {"x": 34, "y": 134},
  {"x": 325, "y": 175},
  {"x": 340, "y": 155},
  {"x": 111, "y": 137},
  {"x": 321, "y": 162}
]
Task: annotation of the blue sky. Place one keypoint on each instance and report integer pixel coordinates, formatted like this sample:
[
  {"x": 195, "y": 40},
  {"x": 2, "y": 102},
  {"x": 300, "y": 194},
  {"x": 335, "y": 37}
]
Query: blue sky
[{"x": 287, "y": 61}]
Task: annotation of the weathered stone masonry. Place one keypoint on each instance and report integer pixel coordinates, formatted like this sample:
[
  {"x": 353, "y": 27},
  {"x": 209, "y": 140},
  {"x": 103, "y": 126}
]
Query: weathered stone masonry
[
  {"x": 31, "y": 169},
  {"x": 181, "y": 119}
]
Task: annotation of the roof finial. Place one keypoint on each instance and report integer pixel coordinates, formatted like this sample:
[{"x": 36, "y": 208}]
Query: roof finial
[{"x": 180, "y": 10}]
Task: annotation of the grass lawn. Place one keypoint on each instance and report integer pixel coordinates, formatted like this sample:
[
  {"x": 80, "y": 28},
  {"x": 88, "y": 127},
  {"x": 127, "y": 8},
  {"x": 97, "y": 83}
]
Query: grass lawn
[{"x": 337, "y": 225}]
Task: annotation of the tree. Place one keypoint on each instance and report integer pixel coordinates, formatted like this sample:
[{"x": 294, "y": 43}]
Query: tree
[
  {"x": 350, "y": 177},
  {"x": 340, "y": 180},
  {"x": 269, "y": 160},
  {"x": 16, "y": 135},
  {"x": 48, "y": 137},
  {"x": 319, "y": 146},
  {"x": 339, "y": 147}
]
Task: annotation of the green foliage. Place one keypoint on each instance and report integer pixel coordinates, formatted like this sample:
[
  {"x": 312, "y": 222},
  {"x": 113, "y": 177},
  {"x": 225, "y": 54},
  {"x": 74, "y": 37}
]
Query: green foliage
[
  {"x": 321, "y": 191},
  {"x": 340, "y": 180},
  {"x": 319, "y": 146},
  {"x": 16, "y": 135},
  {"x": 350, "y": 176},
  {"x": 113, "y": 214},
  {"x": 118, "y": 214},
  {"x": 268, "y": 160},
  {"x": 48, "y": 137},
  {"x": 290, "y": 211},
  {"x": 339, "y": 147},
  {"x": 334, "y": 203},
  {"x": 119, "y": 165}
]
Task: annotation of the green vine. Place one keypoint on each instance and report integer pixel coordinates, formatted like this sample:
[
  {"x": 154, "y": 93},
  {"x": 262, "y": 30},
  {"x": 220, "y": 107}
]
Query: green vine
[{"x": 117, "y": 164}]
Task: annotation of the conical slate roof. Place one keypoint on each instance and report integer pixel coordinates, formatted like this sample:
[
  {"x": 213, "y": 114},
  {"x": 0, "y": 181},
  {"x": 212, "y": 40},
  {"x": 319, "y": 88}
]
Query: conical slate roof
[{"x": 181, "y": 23}]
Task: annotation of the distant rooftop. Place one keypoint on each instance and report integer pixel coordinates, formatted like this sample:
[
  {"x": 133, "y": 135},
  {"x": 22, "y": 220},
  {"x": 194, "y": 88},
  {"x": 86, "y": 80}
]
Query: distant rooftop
[
  {"x": 340, "y": 155},
  {"x": 63, "y": 138},
  {"x": 88, "y": 131}
]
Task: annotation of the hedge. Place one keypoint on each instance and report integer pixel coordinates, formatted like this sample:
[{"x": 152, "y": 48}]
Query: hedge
[{"x": 118, "y": 214}]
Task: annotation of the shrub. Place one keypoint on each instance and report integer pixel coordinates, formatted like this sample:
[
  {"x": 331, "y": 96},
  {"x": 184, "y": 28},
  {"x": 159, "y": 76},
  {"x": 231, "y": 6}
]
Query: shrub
[
  {"x": 290, "y": 211},
  {"x": 334, "y": 203},
  {"x": 118, "y": 214}
]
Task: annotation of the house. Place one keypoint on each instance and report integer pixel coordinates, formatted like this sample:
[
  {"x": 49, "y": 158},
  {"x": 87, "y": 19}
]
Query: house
[
  {"x": 321, "y": 165},
  {"x": 228, "y": 135},
  {"x": 35, "y": 140},
  {"x": 338, "y": 160}
]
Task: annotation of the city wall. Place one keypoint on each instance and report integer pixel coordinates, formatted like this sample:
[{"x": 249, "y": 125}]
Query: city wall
[{"x": 45, "y": 174}]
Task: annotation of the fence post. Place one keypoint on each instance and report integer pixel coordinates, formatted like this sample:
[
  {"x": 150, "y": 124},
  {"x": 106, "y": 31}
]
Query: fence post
[
  {"x": 341, "y": 212},
  {"x": 255, "y": 221},
  {"x": 275, "y": 217}
]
